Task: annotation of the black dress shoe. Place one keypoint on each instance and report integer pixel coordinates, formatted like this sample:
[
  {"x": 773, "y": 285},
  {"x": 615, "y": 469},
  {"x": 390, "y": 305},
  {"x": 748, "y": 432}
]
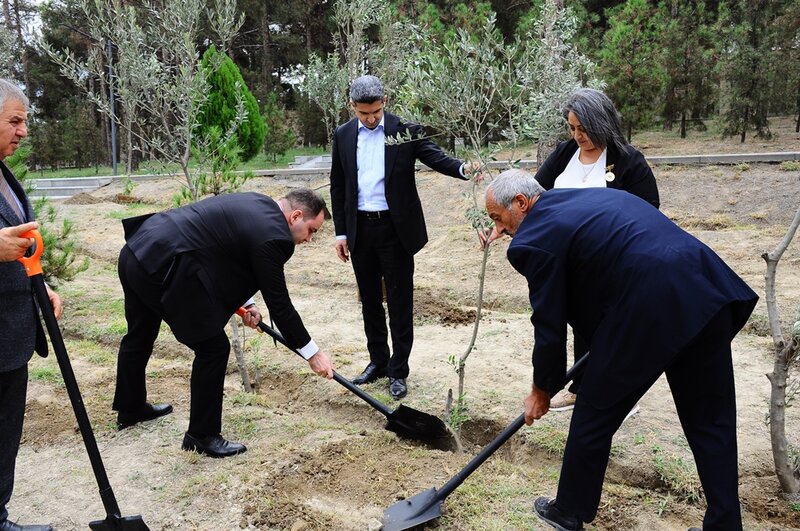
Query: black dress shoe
[
  {"x": 548, "y": 511},
  {"x": 370, "y": 374},
  {"x": 398, "y": 388},
  {"x": 212, "y": 446},
  {"x": 8, "y": 525},
  {"x": 126, "y": 419}
]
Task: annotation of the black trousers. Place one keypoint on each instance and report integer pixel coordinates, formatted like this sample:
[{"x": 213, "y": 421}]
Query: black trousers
[
  {"x": 13, "y": 390},
  {"x": 702, "y": 384},
  {"x": 379, "y": 255},
  {"x": 144, "y": 315}
]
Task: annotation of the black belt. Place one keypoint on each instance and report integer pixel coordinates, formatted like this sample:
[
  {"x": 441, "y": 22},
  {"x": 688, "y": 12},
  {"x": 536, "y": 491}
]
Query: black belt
[{"x": 378, "y": 214}]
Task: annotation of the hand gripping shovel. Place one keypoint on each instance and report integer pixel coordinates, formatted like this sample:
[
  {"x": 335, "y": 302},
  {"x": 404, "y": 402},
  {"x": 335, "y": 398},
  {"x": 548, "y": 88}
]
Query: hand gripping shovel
[
  {"x": 404, "y": 421},
  {"x": 427, "y": 505},
  {"x": 114, "y": 521}
]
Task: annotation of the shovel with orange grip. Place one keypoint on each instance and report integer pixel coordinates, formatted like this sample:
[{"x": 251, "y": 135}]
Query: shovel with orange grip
[{"x": 114, "y": 521}]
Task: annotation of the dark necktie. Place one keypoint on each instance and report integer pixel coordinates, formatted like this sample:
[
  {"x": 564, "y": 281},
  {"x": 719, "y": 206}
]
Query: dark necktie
[{"x": 10, "y": 197}]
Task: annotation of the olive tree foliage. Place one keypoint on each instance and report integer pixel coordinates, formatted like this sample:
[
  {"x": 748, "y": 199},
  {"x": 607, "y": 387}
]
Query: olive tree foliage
[
  {"x": 558, "y": 70},
  {"x": 479, "y": 86},
  {"x": 159, "y": 83},
  {"x": 782, "y": 390},
  {"x": 325, "y": 80},
  {"x": 353, "y": 19}
]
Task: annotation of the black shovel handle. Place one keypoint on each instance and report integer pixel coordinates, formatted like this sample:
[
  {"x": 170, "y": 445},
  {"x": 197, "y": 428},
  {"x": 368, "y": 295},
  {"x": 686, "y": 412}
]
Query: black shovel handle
[
  {"x": 366, "y": 397},
  {"x": 492, "y": 447},
  {"x": 33, "y": 268}
]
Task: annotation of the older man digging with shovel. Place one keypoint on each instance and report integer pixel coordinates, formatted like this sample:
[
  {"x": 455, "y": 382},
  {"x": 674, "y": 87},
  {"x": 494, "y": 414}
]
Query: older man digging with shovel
[{"x": 650, "y": 299}]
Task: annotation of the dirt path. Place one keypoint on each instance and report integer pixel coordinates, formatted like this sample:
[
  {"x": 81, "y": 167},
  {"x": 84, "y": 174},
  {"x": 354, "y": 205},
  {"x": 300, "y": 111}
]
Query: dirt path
[{"x": 319, "y": 458}]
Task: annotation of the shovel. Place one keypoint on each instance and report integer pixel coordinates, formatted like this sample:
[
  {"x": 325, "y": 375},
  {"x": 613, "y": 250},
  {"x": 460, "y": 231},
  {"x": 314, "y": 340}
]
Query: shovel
[
  {"x": 404, "y": 421},
  {"x": 427, "y": 505},
  {"x": 113, "y": 521}
]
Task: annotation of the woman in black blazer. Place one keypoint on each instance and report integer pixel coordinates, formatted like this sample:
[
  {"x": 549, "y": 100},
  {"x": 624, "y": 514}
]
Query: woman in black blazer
[{"x": 597, "y": 156}]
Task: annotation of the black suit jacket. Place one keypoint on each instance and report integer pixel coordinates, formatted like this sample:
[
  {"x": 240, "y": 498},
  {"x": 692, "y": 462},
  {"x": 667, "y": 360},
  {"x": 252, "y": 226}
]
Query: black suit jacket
[
  {"x": 20, "y": 329},
  {"x": 212, "y": 256},
  {"x": 631, "y": 171},
  {"x": 400, "y": 185},
  {"x": 632, "y": 283}
]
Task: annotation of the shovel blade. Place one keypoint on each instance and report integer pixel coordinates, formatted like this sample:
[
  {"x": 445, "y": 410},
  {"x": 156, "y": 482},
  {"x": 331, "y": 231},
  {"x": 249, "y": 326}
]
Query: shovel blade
[
  {"x": 414, "y": 511},
  {"x": 410, "y": 423},
  {"x": 119, "y": 523}
]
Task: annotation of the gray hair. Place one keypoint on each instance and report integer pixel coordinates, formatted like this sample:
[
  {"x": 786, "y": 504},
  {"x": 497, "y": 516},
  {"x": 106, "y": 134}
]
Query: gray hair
[
  {"x": 10, "y": 91},
  {"x": 508, "y": 184},
  {"x": 366, "y": 89},
  {"x": 598, "y": 116}
]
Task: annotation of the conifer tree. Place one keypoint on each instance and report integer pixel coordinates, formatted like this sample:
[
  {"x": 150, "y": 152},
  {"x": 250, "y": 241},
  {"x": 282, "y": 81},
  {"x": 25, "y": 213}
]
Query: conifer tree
[
  {"x": 630, "y": 63},
  {"x": 219, "y": 110}
]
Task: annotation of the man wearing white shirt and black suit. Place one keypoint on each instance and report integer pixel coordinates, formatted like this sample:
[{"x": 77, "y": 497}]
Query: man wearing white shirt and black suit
[
  {"x": 193, "y": 267},
  {"x": 379, "y": 221}
]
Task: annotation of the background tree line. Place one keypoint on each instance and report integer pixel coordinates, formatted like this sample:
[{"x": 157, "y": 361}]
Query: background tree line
[{"x": 665, "y": 63}]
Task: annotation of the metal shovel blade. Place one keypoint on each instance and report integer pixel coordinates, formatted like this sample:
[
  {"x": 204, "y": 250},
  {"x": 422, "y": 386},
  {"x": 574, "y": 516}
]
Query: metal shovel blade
[
  {"x": 427, "y": 505},
  {"x": 414, "y": 511},
  {"x": 406, "y": 422},
  {"x": 410, "y": 423},
  {"x": 119, "y": 523}
]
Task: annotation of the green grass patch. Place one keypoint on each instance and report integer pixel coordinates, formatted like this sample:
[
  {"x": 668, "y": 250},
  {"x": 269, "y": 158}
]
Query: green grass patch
[
  {"x": 92, "y": 351},
  {"x": 244, "y": 423},
  {"x": 251, "y": 399},
  {"x": 790, "y": 165},
  {"x": 549, "y": 438},
  {"x": 678, "y": 474},
  {"x": 49, "y": 374},
  {"x": 499, "y": 491}
]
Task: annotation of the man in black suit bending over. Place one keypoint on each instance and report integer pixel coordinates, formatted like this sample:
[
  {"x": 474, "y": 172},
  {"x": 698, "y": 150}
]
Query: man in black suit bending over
[
  {"x": 193, "y": 267},
  {"x": 379, "y": 221}
]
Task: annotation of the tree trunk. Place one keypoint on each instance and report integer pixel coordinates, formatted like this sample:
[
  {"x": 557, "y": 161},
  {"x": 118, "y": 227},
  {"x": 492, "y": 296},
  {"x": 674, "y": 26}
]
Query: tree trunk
[
  {"x": 266, "y": 54},
  {"x": 787, "y": 475},
  {"x": 10, "y": 28},
  {"x": 744, "y": 122},
  {"x": 797, "y": 122},
  {"x": 543, "y": 150},
  {"x": 683, "y": 123},
  {"x": 236, "y": 343},
  {"x": 463, "y": 359},
  {"x": 784, "y": 357},
  {"x": 26, "y": 78}
]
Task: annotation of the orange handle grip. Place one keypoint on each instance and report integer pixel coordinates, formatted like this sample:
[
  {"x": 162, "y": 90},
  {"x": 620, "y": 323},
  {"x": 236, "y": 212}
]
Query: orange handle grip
[
  {"x": 240, "y": 312},
  {"x": 33, "y": 264}
]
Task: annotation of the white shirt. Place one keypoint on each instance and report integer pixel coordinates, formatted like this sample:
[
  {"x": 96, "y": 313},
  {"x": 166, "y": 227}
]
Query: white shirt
[
  {"x": 370, "y": 156},
  {"x": 579, "y": 175}
]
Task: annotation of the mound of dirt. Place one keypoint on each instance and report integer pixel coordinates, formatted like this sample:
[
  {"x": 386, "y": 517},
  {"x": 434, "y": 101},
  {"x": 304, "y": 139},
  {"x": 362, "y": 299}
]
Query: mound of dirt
[{"x": 82, "y": 199}]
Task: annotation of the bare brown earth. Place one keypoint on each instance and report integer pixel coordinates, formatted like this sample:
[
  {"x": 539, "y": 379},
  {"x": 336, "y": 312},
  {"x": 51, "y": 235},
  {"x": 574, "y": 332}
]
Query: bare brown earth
[{"x": 319, "y": 458}]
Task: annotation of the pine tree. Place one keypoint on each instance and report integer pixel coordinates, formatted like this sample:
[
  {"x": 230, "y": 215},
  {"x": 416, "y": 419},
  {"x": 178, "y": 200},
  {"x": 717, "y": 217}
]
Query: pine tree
[
  {"x": 747, "y": 63},
  {"x": 687, "y": 49},
  {"x": 59, "y": 255},
  {"x": 630, "y": 63},
  {"x": 219, "y": 110}
]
